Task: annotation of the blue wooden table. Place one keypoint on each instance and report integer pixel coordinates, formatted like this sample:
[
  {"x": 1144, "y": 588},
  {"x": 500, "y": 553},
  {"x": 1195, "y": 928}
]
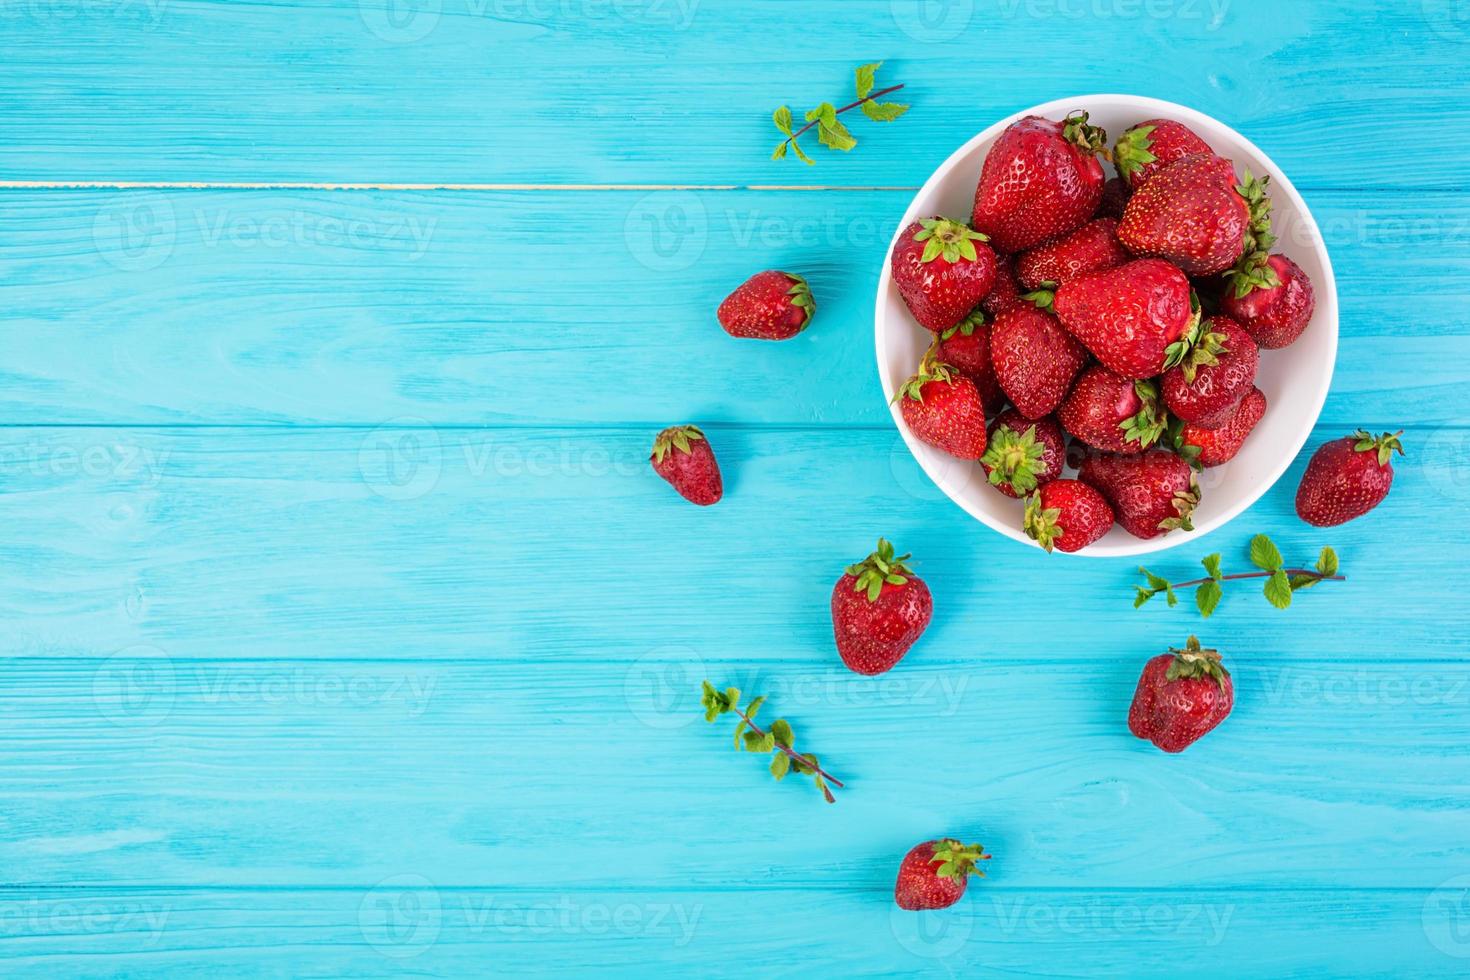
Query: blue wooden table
[{"x": 348, "y": 632}]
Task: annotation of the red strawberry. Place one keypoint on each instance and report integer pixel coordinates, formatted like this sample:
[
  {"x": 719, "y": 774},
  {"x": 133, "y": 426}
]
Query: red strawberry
[
  {"x": 1041, "y": 179},
  {"x": 879, "y": 608},
  {"x": 1194, "y": 214},
  {"x": 1182, "y": 695},
  {"x": 1022, "y": 455},
  {"x": 1035, "y": 359},
  {"x": 1347, "y": 478},
  {"x": 943, "y": 270},
  {"x": 934, "y": 874},
  {"x": 943, "y": 408},
  {"x": 683, "y": 457},
  {"x": 1152, "y": 145},
  {"x": 1067, "y": 514},
  {"x": 769, "y": 305},
  {"x": 1214, "y": 376},
  {"x": 1275, "y": 313},
  {"x": 1114, "y": 198},
  {"x": 1211, "y": 447},
  {"x": 1152, "y": 493},
  {"x": 1113, "y": 413},
  {"x": 1091, "y": 248},
  {"x": 1132, "y": 318},
  {"x": 1005, "y": 294},
  {"x": 966, "y": 345}
]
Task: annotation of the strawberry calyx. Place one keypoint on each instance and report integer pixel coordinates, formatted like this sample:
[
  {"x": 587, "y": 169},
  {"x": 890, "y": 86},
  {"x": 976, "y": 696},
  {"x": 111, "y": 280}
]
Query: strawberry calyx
[
  {"x": 1252, "y": 271},
  {"x": 930, "y": 369},
  {"x": 1014, "y": 458},
  {"x": 957, "y": 861},
  {"x": 1193, "y": 663},
  {"x": 1186, "y": 450},
  {"x": 675, "y": 437},
  {"x": 950, "y": 239},
  {"x": 1384, "y": 445},
  {"x": 965, "y": 327},
  {"x": 1042, "y": 296},
  {"x": 1151, "y": 421},
  {"x": 1131, "y": 151},
  {"x": 1175, "y": 353},
  {"x": 1091, "y": 140},
  {"x": 1041, "y": 525},
  {"x": 1184, "y": 503},
  {"x": 1204, "y": 349},
  {"x": 801, "y": 295},
  {"x": 879, "y": 567}
]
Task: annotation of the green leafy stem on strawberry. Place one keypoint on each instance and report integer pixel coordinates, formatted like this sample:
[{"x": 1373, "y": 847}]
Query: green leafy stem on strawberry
[
  {"x": 831, "y": 132},
  {"x": 777, "y": 740},
  {"x": 1281, "y": 582},
  {"x": 1252, "y": 271}
]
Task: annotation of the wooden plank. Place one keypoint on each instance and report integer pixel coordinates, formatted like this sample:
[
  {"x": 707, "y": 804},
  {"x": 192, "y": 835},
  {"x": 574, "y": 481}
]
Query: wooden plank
[
  {"x": 264, "y": 307},
  {"x": 679, "y": 91},
  {"x": 409, "y": 925},
  {"x": 150, "y": 771},
  {"x": 550, "y": 545}
]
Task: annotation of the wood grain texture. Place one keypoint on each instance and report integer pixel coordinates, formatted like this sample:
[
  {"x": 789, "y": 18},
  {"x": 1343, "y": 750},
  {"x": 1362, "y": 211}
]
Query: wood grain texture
[
  {"x": 681, "y": 91},
  {"x": 145, "y": 307},
  {"x": 409, "y": 925},
  {"x": 553, "y": 545}
]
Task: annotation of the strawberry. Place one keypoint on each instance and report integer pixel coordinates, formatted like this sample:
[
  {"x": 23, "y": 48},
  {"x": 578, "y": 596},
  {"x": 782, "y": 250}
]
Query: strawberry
[
  {"x": 770, "y": 305},
  {"x": 1211, "y": 447},
  {"x": 1022, "y": 455},
  {"x": 1114, "y": 198},
  {"x": 1132, "y": 318},
  {"x": 943, "y": 408},
  {"x": 1041, "y": 179},
  {"x": 1067, "y": 514},
  {"x": 1275, "y": 313},
  {"x": 966, "y": 345},
  {"x": 879, "y": 608},
  {"x": 1347, "y": 477},
  {"x": 1091, "y": 248},
  {"x": 933, "y": 875},
  {"x": 1004, "y": 294},
  {"x": 683, "y": 457},
  {"x": 942, "y": 270},
  {"x": 1152, "y": 145},
  {"x": 1152, "y": 493},
  {"x": 1035, "y": 359},
  {"x": 1181, "y": 696},
  {"x": 1194, "y": 214},
  {"x": 1218, "y": 371},
  {"x": 1113, "y": 413}
]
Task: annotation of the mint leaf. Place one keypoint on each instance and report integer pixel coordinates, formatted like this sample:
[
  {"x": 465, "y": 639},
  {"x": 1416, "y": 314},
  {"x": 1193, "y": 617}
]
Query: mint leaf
[
  {"x": 835, "y": 135},
  {"x": 883, "y": 111},
  {"x": 1207, "y": 597},
  {"x": 1327, "y": 562},
  {"x": 1144, "y": 595},
  {"x": 781, "y": 731},
  {"x": 796, "y": 148},
  {"x": 1264, "y": 554},
  {"x": 865, "y": 75},
  {"x": 1278, "y": 590},
  {"x": 782, "y": 117},
  {"x": 1212, "y": 565},
  {"x": 780, "y": 765}
]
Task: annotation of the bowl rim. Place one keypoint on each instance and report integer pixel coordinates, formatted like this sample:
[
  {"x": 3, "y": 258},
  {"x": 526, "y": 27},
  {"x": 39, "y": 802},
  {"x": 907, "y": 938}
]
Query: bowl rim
[{"x": 1325, "y": 288}]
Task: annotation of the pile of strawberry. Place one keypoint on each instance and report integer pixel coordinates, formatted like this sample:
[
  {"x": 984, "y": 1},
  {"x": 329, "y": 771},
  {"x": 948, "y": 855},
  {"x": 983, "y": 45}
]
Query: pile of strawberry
[{"x": 1127, "y": 313}]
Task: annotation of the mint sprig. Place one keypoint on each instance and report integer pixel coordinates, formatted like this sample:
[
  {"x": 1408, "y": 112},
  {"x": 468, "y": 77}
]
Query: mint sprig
[
  {"x": 1280, "y": 585},
  {"x": 777, "y": 740},
  {"x": 831, "y": 133}
]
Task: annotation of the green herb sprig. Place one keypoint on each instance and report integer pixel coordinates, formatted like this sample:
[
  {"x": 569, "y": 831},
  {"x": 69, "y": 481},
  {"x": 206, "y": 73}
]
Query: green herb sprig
[
  {"x": 1281, "y": 582},
  {"x": 831, "y": 132},
  {"x": 778, "y": 740}
]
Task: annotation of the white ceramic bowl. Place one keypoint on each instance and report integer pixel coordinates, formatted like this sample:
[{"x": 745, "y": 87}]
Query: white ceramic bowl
[{"x": 1295, "y": 380}]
